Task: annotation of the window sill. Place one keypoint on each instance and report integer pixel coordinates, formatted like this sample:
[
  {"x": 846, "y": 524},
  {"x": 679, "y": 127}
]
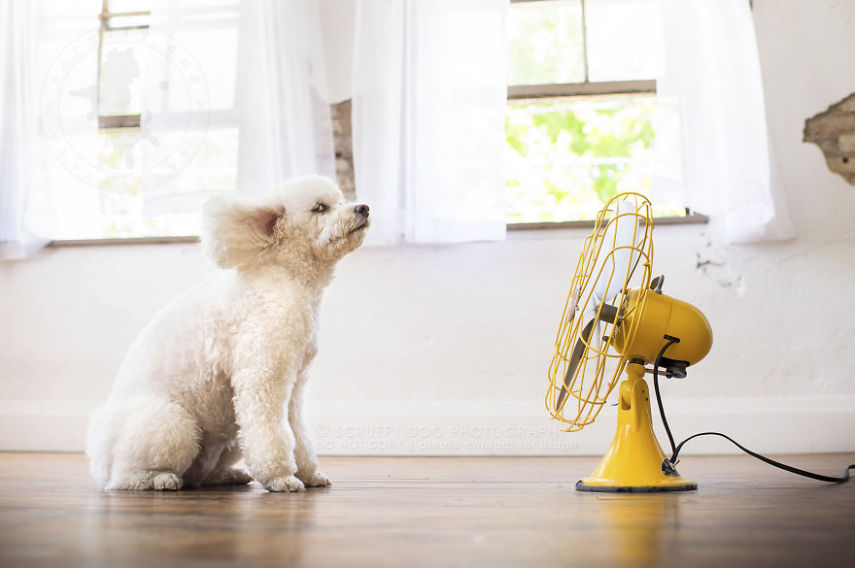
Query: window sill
[
  {"x": 128, "y": 241},
  {"x": 694, "y": 219}
]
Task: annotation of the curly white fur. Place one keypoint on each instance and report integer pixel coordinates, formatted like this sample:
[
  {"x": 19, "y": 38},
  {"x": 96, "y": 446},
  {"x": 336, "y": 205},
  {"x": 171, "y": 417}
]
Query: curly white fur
[{"x": 219, "y": 373}]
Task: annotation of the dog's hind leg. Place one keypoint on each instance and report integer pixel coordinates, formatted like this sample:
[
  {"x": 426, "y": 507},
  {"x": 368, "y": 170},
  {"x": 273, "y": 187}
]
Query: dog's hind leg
[
  {"x": 224, "y": 473},
  {"x": 155, "y": 443}
]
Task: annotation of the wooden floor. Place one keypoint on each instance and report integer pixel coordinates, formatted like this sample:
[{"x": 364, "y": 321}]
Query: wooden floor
[{"x": 433, "y": 512}]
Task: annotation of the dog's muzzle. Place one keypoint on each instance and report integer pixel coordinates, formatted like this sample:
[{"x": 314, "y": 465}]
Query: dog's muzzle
[{"x": 362, "y": 212}]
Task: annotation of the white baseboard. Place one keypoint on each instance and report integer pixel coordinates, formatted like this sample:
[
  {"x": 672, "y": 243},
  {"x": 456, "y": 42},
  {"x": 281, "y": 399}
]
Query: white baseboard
[{"x": 767, "y": 425}]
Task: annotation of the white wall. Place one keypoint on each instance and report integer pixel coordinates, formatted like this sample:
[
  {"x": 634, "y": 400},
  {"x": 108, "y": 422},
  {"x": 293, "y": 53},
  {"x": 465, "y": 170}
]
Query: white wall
[{"x": 445, "y": 349}]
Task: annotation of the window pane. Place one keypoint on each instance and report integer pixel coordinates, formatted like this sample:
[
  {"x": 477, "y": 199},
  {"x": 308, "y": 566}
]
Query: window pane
[
  {"x": 214, "y": 48},
  {"x": 623, "y": 39},
  {"x": 118, "y": 6},
  {"x": 546, "y": 43},
  {"x": 566, "y": 157},
  {"x": 69, "y": 206},
  {"x": 120, "y": 88},
  {"x": 148, "y": 180}
]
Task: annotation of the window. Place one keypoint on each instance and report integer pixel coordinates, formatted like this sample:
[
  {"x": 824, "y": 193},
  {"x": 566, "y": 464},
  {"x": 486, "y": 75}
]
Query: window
[
  {"x": 581, "y": 99},
  {"x": 139, "y": 124}
]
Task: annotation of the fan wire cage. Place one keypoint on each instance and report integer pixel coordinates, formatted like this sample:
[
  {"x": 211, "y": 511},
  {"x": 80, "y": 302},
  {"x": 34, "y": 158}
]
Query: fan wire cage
[{"x": 605, "y": 264}]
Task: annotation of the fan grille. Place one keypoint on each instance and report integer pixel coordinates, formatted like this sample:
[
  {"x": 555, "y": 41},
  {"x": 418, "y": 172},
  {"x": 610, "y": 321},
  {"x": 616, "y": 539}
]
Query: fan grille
[{"x": 604, "y": 264}]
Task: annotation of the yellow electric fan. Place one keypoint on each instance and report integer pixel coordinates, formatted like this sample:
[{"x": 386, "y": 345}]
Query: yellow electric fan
[{"x": 616, "y": 319}]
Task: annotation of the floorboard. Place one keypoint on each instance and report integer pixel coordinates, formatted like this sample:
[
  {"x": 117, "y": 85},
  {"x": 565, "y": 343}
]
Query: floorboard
[{"x": 433, "y": 512}]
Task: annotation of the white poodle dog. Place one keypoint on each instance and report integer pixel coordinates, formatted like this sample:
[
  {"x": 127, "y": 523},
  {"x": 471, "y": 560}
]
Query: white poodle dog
[{"x": 219, "y": 373}]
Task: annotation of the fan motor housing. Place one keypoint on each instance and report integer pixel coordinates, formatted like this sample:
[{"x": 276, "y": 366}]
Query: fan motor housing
[{"x": 650, "y": 317}]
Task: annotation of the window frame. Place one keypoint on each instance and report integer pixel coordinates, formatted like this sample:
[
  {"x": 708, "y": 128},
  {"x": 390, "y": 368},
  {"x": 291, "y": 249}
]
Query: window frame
[
  {"x": 118, "y": 123},
  {"x": 587, "y": 88},
  {"x": 515, "y": 92}
]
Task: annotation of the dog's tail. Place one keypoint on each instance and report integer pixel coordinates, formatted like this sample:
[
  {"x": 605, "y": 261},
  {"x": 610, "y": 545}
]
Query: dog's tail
[{"x": 99, "y": 445}]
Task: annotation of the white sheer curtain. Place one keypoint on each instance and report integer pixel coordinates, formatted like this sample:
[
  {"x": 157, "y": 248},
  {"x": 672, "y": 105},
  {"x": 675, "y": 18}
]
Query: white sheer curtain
[
  {"x": 285, "y": 126},
  {"x": 18, "y": 33},
  {"x": 428, "y": 118},
  {"x": 712, "y": 115}
]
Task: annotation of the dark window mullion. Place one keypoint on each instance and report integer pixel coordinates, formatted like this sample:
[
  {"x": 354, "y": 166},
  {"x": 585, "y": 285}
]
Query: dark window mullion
[{"x": 576, "y": 89}]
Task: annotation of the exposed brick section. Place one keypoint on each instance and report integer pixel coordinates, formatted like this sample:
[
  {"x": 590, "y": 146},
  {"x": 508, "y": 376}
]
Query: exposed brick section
[
  {"x": 834, "y": 132},
  {"x": 343, "y": 143}
]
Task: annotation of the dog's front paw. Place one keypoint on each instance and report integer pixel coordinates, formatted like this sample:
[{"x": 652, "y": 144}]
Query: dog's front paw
[
  {"x": 315, "y": 479},
  {"x": 285, "y": 484}
]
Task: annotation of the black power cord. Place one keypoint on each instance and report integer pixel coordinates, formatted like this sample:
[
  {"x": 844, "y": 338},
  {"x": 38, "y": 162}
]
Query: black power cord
[
  {"x": 670, "y": 341},
  {"x": 675, "y": 450}
]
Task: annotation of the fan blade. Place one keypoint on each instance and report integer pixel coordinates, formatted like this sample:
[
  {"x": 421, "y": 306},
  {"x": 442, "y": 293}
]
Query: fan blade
[
  {"x": 621, "y": 232},
  {"x": 578, "y": 351},
  {"x": 607, "y": 314}
]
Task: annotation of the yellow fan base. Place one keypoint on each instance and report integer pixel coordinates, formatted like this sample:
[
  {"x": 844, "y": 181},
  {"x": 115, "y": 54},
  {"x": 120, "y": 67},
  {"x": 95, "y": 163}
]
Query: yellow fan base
[{"x": 634, "y": 461}]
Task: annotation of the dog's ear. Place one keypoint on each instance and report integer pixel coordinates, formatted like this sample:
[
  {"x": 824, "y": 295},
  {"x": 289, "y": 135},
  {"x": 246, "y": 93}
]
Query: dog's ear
[
  {"x": 235, "y": 232},
  {"x": 264, "y": 219}
]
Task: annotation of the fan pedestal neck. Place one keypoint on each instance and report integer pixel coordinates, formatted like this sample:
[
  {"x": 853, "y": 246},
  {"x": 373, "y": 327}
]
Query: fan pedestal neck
[{"x": 634, "y": 461}]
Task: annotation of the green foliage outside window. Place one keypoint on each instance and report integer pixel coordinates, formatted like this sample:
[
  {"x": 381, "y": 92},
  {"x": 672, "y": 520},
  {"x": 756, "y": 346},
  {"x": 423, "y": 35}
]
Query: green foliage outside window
[{"x": 566, "y": 157}]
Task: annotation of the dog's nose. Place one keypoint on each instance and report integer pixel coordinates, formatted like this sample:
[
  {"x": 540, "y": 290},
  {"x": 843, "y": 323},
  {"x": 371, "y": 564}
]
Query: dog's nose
[{"x": 361, "y": 210}]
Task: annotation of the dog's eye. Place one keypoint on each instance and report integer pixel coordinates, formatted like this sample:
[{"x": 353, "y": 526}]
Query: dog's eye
[{"x": 320, "y": 208}]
